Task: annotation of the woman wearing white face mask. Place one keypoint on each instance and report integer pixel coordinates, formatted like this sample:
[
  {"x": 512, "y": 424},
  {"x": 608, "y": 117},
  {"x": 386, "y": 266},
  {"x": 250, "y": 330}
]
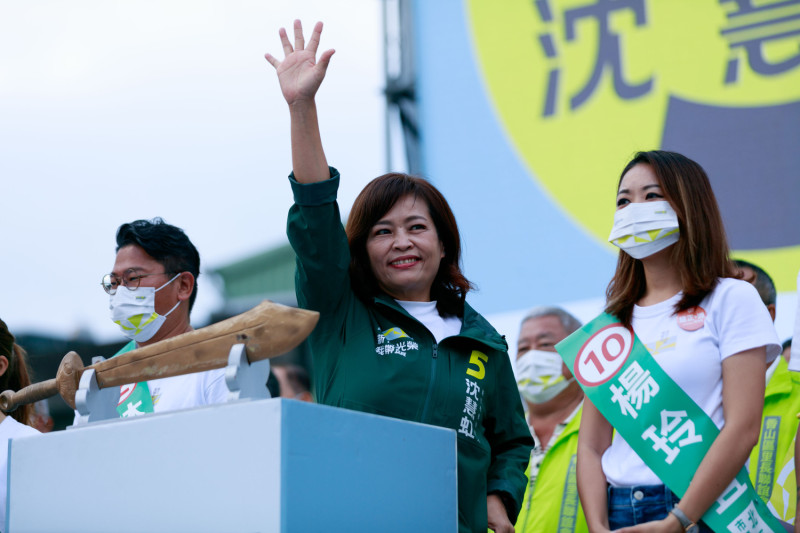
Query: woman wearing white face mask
[{"x": 708, "y": 332}]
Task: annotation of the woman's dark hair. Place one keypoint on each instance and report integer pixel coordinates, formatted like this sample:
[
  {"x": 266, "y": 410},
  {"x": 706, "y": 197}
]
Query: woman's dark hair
[
  {"x": 449, "y": 287},
  {"x": 17, "y": 375},
  {"x": 165, "y": 243},
  {"x": 701, "y": 254}
]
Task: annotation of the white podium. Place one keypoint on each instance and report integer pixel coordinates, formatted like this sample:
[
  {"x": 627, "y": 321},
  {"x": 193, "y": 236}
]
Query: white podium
[{"x": 248, "y": 466}]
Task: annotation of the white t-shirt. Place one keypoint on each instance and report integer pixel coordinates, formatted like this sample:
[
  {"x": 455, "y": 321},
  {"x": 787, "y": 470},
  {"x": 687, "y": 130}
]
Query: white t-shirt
[
  {"x": 426, "y": 312},
  {"x": 188, "y": 390},
  {"x": 736, "y": 320},
  {"x": 9, "y": 429},
  {"x": 794, "y": 360}
]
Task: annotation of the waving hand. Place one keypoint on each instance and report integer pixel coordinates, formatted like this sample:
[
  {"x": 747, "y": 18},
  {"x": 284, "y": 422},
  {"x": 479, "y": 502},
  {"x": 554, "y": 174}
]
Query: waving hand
[{"x": 300, "y": 73}]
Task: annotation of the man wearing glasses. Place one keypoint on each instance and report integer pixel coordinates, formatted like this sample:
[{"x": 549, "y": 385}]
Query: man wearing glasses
[{"x": 152, "y": 289}]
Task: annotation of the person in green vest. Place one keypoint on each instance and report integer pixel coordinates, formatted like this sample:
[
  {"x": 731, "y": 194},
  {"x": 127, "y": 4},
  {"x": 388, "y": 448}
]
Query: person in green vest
[
  {"x": 553, "y": 401},
  {"x": 781, "y": 402},
  {"x": 758, "y": 278}
]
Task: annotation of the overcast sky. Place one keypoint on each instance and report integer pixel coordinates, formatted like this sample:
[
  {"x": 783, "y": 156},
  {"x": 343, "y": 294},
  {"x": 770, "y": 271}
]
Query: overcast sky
[{"x": 113, "y": 111}]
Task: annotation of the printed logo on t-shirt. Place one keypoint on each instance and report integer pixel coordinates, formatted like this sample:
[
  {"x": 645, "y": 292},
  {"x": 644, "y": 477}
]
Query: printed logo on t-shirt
[
  {"x": 664, "y": 344},
  {"x": 394, "y": 341},
  {"x": 155, "y": 395}
]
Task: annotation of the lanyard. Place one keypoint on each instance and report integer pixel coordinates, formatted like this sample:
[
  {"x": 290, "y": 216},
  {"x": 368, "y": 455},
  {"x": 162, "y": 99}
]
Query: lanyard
[{"x": 660, "y": 422}]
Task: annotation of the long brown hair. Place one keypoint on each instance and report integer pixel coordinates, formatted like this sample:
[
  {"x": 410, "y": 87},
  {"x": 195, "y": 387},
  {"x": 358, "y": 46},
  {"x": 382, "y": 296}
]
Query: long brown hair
[
  {"x": 449, "y": 287},
  {"x": 701, "y": 254},
  {"x": 17, "y": 374}
]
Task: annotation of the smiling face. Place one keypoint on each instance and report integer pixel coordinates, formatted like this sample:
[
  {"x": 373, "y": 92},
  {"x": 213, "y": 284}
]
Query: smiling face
[{"x": 404, "y": 250}]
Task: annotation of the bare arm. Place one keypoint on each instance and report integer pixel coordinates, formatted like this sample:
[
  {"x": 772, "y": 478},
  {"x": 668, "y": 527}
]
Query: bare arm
[
  {"x": 742, "y": 402},
  {"x": 594, "y": 437},
  {"x": 300, "y": 74}
]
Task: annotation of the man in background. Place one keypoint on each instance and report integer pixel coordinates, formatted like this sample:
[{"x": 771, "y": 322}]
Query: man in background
[
  {"x": 553, "y": 401},
  {"x": 294, "y": 381},
  {"x": 781, "y": 400},
  {"x": 152, "y": 288}
]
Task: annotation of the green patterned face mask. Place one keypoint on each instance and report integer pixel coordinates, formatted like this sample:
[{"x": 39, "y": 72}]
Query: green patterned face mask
[
  {"x": 539, "y": 377},
  {"x": 644, "y": 228},
  {"x": 134, "y": 311}
]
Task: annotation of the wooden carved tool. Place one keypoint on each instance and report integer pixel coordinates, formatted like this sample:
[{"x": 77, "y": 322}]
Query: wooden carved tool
[{"x": 267, "y": 330}]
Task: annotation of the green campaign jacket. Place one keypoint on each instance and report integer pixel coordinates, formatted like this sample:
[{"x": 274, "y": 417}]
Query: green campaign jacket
[
  {"x": 778, "y": 427},
  {"x": 552, "y": 503},
  {"x": 376, "y": 358}
]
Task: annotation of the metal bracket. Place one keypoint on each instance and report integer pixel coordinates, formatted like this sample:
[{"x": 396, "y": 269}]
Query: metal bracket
[
  {"x": 245, "y": 379},
  {"x": 92, "y": 402}
]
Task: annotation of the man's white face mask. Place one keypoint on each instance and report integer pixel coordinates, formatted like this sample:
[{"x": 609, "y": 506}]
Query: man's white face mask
[
  {"x": 134, "y": 311},
  {"x": 539, "y": 377},
  {"x": 644, "y": 228}
]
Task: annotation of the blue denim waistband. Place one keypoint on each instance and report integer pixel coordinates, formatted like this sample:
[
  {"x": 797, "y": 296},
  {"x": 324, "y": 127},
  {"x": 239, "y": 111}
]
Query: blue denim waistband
[
  {"x": 628, "y": 506},
  {"x": 641, "y": 495}
]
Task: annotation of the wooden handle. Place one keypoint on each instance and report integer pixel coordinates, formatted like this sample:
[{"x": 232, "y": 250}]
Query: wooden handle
[
  {"x": 10, "y": 400},
  {"x": 68, "y": 377},
  {"x": 267, "y": 330},
  {"x": 65, "y": 384}
]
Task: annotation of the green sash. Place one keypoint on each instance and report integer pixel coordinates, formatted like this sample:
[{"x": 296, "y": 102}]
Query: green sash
[
  {"x": 657, "y": 418},
  {"x": 134, "y": 399}
]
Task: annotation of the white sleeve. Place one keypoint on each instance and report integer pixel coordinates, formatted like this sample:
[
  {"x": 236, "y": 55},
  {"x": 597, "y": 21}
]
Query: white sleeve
[
  {"x": 215, "y": 388},
  {"x": 744, "y": 322},
  {"x": 794, "y": 360}
]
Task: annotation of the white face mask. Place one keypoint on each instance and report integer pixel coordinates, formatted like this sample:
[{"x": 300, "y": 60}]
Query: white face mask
[
  {"x": 135, "y": 311},
  {"x": 539, "y": 377},
  {"x": 644, "y": 228}
]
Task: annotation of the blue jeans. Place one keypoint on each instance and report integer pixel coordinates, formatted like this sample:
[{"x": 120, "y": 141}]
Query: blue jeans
[{"x": 628, "y": 506}]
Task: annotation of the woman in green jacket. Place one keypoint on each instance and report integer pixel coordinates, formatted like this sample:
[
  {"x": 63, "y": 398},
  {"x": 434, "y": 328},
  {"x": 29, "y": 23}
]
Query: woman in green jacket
[{"x": 396, "y": 336}]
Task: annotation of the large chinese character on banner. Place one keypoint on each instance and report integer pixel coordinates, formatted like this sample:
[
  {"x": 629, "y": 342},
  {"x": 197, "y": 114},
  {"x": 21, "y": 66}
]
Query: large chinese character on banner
[{"x": 579, "y": 85}]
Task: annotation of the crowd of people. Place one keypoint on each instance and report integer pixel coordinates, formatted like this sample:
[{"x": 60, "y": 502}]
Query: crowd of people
[{"x": 672, "y": 411}]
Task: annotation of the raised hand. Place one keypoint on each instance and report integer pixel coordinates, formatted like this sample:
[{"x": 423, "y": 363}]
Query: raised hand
[{"x": 300, "y": 73}]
